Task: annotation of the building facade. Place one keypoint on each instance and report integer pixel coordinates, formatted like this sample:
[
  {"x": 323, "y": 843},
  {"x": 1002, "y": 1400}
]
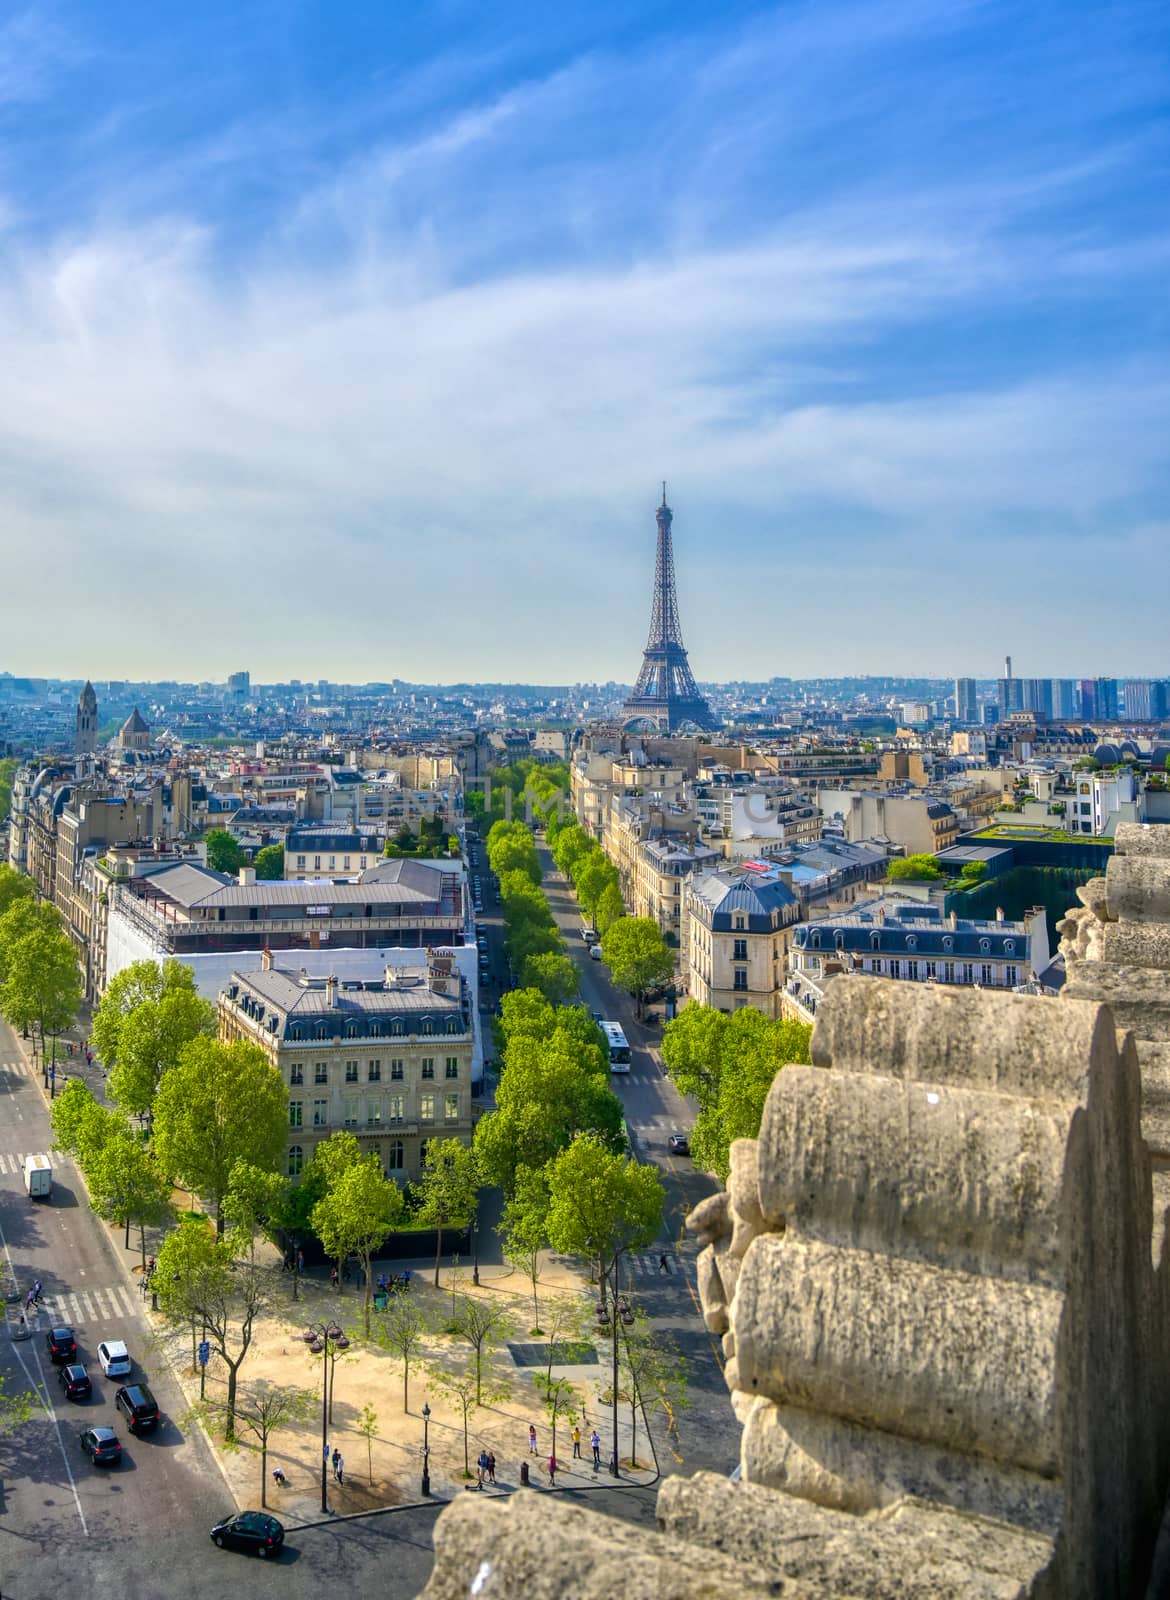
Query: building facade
[
  {"x": 388, "y": 1060},
  {"x": 913, "y": 941},
  {"x": 735, "y": 942}
]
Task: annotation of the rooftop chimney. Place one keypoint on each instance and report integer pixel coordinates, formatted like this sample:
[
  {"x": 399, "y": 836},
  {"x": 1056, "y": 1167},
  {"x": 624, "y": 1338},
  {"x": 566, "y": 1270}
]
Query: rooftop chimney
[
  {"x": 266, "y": 959},
  {"x": 247, "y": 877},
  {"x": 999, "y": 913},
  {"x": 330, "y": 991}
]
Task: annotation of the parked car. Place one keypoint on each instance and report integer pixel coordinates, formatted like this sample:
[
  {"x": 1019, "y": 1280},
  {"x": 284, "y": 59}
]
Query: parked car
[
  {"x": 680, "y": 1144},
  {"x": 138, "y": 1406},
  {"x": 595, "y": 952},
  {"x": 62, "y": 1345},
  {"x": 114, "y": 1359},
  {"x": 74, "y": 1379},
  {"x": 102, "y": 1445},
  {"x": 251, "y": 1530}
]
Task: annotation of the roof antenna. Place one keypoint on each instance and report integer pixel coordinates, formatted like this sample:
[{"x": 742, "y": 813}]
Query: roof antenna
[{"x": 664, "y": 491}]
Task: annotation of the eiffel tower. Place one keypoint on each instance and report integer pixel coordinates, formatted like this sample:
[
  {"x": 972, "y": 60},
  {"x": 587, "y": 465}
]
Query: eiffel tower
[{"x": 665, "y": 693}]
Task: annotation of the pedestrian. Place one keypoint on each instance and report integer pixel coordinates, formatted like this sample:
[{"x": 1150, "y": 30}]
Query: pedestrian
[
  {"x": 662, "y": 1264},
  {"x": 337, "y": 1465},
  {"x": 333, "y": 1284},
  {"x": 30, "y": 1300},
  {"x": 482, "y": 1464},
  {"x": 491, "y": 1464},
  {"x": 552, "y": 1472},
  {"x": 595, "y": 1446},
  {"x": 278, "y": 1477},
  {"x": 300, "y": 1261},
  {"x": 37, "y": 1292},
  {"x": 576, "y": 1442},
  {"x": 532, "y": 1450}
]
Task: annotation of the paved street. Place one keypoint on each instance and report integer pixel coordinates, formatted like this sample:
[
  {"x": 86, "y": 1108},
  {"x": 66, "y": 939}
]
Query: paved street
[{"x": 124, "y": 1527}]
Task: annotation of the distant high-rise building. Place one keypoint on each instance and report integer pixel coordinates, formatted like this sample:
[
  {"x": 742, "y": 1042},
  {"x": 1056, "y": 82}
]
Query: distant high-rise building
[
  {"x": 990, "y": 711},
  {"x": 665, "y": 693},
  {"x": 1137, "y": 699},
  {"x": 1105, "y": 695},
  {"x": 1160, "y": 699},
  {"x": 1010, "y": 691},
  {"x": 1066, "y": 699},
  {"x": 239, "y": 685},
  {"x": 1036, "y": 696},
  {"x": 85, "y": 734},
  {"x": 966, "y": 700},
  {"x": 1088, "y": 699}
]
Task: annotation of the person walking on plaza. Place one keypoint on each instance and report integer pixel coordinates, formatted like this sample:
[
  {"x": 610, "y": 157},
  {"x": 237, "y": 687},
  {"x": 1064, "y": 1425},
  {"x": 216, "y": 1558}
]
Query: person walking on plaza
[
  {"x": 482, "y": 1464},
  {"x": 532, "y": 1450},
  {"x": 337, "y": 1466},
  {"x": 663, "y": 1266},
  {"x": 576, "y": 1442},
  {"x": 333, "y": 1284},
  {"x": 595, "y": 1446},
  {"x": 552, "y": 1472},
  {"x": 491, "y": 1466}
]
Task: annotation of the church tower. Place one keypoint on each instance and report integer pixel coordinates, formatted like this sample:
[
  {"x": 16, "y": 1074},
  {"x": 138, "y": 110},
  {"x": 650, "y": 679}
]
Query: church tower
[{"x": 85, "y": 738}]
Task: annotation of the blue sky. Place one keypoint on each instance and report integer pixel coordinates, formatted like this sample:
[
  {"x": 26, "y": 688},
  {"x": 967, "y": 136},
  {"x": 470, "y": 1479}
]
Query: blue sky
[{"x": 353, "y": 341}]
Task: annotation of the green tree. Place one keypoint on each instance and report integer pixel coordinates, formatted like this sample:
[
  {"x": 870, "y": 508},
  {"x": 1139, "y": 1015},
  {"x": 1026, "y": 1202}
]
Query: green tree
[
  {"x": 262, "y": 1411},
  {"x": 14, "y": 886},
  {"x": 355, "y": 1216},
  {"x": 333, "y": 1157},
  {"x": 593, "y": 875},
  {"x": 79, "y": 1124},
  {"x": 458, "y": 1385},
  {"x": 525, "y": 1232},
  {"x": 25, "y": 915},
  {"x": 152, "y": 1038},
  {"x": 975, "y": 871},
  {"x": 269, "y": 862},
  {"x": 483, "y": 1325},
  {"x": 601, "y": 1205},
  {"x": 554, "y": 975},
  {"x": 368, "y": 1428},
  {"x": 404, "y": 1329},
  {"x": 448, "y": 1190},
  {"x": 126, "y": 1185},
  {"x": 42, "y": 984},
  {"x": 200, "y": 1281},
  {"x": 655, "y": 1375},
  {"x": 920, "y": 868},
  {"x": 253, "y": 1200},
  {"x": 140, "y": 983},
  {"x": 610, "y": 908},
  {"x": 223, "y": 851},
  {"x": 8, "y": 770},
  {"x": 560, "y": 1400},
  {"x": 570, "y": 843},
  {"x": 637, "y": 955},
  {"x": 728, "y": 1064},
  {"x": 220, "y": 1104}
]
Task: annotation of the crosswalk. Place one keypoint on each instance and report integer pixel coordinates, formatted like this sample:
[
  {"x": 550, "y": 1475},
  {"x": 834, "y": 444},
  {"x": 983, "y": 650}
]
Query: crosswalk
[
  {"x": 648, "y": 1265},
  {"x": 13, "y": 1069},
  {"x": 15, "y": 1163},
  {"x": 88, "y": 1307}
]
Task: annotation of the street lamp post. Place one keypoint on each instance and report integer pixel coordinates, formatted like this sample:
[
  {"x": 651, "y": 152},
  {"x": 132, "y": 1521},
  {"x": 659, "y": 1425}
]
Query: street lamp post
[
  {"x": 319, "y": 1336},
  {"x": 475, "y": 1244},
  {"x": 426, "y": 1472}
]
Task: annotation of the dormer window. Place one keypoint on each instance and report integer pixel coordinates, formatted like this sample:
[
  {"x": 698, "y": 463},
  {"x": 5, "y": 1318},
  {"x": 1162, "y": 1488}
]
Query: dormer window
[
  {"x": 875, "y": 941},
  {"x": 397, "y": 1027},
  {"x": 1009, "y": 947},
  {"x": 985, "y": 945},
  {"x": 453, "y": 1025},
  {"x": 814, "y": 940},
  {"x": 428, "y": 1026},
  {"x": 912, "y": 941},
  {"x": 948, "y": 943}
]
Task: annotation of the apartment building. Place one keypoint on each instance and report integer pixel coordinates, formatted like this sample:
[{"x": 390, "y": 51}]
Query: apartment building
[
  {"x": 735, "y": 942},
  {"x": 388, "y": 1058},
  {"x": 920, "y": 823},
  {"x": 913, "y": 941}
]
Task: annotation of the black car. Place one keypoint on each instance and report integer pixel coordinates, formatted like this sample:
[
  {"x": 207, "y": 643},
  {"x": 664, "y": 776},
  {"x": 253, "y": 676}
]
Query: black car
[
  {"x": 251, "y": 1530},
  {"x": 62, "y": 1344},
  {"x": 74, "y": 1379},
  {"x": 138, "y": 1406},
  {"x": 102, "y": 1445},
  {"x": 680, "y": 1144}
]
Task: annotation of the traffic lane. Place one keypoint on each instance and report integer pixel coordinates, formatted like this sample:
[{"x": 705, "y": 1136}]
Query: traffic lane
[
  {"x": 389, "y": 1556},
  {"x": 63, "y": 1245}
]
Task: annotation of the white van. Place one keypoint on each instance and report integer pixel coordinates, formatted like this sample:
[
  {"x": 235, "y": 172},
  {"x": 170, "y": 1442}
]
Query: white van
[{"x": 38, "y": 1177}]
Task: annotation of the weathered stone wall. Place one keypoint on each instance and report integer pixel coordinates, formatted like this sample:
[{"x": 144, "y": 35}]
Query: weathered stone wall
[{"x": 942, "y": 1310}]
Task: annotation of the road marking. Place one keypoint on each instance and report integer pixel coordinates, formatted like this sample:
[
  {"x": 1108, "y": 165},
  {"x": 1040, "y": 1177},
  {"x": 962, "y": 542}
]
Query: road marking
[
  {"x": 40, "y": 1388},
  {"x": 15, "y": 1163}
]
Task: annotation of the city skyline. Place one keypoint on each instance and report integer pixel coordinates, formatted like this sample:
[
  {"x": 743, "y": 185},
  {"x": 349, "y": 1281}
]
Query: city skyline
[{"x": 417, "y": 312}]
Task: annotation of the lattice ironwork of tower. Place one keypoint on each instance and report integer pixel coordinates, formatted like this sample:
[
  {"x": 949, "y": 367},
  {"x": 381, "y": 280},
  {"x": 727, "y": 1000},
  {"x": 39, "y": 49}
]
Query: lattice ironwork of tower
[{"x": 665, "y": 693}]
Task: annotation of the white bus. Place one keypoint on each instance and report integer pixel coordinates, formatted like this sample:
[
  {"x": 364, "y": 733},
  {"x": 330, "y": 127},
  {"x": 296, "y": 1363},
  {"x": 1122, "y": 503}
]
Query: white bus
[{"x": 619, "y": 1048}]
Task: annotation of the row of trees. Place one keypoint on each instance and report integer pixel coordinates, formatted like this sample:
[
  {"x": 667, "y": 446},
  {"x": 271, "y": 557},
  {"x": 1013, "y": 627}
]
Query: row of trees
[
  {"x": 594, "y": 877},
  {"x": 728, "y": 1063},
  {"x": 40, "y": 984},
  {"x": 536, "y": 949},
  {"x": 546, "y": 783}
]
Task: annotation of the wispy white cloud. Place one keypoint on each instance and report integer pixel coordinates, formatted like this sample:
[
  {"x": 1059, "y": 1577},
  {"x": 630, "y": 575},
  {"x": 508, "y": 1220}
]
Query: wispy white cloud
[{"x": 453, "y": 364}]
